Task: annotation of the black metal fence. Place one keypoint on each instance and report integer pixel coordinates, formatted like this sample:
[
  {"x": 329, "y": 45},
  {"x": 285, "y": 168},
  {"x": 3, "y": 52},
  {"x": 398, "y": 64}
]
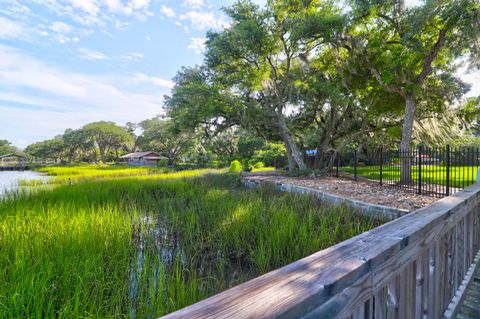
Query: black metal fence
[{"x": 434, "y": 172}]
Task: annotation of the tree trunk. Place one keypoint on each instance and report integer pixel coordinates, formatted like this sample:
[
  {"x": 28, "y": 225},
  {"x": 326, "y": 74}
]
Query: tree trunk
[
  {"x": 405, "y": 160},
  {"x": 289, "y": 142},
  {"x": 291, "y": 161},
  {"x": 319, "y": 154},
  {"x": 102, "y": 154}
]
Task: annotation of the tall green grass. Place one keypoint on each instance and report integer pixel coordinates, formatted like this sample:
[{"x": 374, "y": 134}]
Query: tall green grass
[
  {"x": 84, "y": 172},
  {"x": 148, "y": 245}
]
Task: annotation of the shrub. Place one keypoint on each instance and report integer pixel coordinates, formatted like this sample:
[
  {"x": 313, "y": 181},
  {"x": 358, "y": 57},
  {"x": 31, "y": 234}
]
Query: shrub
[
  {"x": 235, "y": 167},
  {"x": 269, "y": 153},
  {"x": 258, "y": 165},
  {"x": 162, "y": 162},
  {"x": 246, "y": 166}
]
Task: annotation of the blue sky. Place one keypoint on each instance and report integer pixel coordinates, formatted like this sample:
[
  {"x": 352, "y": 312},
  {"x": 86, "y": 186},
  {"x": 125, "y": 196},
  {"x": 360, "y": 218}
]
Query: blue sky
[{"x": 64, "y": 63}]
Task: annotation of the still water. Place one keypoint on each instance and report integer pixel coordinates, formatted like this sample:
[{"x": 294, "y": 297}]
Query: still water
[{"x": 9, "y": 179}]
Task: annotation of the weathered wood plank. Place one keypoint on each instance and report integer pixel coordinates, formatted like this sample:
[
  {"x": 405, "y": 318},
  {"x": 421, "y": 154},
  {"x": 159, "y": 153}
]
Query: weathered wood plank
[
  {"x": 457, "y": 300},
  {"x": 393, "y": 293},
  {"x": 380, "y": 303}
]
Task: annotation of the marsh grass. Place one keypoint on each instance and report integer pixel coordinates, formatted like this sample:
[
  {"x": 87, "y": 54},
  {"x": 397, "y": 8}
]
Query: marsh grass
[
  {"x": 147, "y": 245},
  {"x": 65, "y": 174}
]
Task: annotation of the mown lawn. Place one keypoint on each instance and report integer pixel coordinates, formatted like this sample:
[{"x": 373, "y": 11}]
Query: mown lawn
[
  {"x": 459, "y": 175},
  {"x": 143, "y": 246}
]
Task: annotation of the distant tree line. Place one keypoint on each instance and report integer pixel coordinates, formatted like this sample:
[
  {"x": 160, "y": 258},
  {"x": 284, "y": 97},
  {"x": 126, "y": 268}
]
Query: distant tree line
[{"x": 107, "y": 142}]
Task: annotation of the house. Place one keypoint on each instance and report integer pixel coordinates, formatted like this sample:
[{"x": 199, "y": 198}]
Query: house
[{"x": 149, "y": 159}]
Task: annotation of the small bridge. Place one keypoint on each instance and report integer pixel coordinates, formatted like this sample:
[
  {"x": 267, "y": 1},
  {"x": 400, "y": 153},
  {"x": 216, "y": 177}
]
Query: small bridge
[
  {"x": 421, "y": 265},
  {"x": 13, "y": 162}
]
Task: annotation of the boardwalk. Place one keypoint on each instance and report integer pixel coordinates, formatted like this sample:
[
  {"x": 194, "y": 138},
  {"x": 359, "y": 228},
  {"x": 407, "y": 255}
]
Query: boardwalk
[{"x": 471, "y": 305}]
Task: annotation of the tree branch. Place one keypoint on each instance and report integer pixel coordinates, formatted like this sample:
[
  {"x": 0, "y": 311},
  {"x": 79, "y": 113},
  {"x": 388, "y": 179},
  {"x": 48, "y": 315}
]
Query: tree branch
[{"x": 427, "y": 63}]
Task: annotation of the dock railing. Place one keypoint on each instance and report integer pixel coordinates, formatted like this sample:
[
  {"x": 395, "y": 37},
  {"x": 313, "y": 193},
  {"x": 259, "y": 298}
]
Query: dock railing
[{"x": 417, "y": 266}]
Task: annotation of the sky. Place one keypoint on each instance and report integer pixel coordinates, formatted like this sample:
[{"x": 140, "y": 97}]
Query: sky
[{"x": 65, "y": 63}]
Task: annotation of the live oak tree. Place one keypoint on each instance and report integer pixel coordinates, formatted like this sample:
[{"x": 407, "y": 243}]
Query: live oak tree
[
  {"x": 413, "y": 52},
  {"x": 341, "y": 74},
  {"x": 197, "y": 103},
  {"x": 163, "y": 136},
  {"x": 53, "y": 149},
  {"x": 79, "y": 145},
  {"x": 107, "y": 136},
  {"x": 256, "y": 58},
  {"x": 6, "y": 147}
]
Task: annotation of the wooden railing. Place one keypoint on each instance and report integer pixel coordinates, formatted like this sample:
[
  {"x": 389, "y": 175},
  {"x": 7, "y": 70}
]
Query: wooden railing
[{"x": 417, "y": 266}]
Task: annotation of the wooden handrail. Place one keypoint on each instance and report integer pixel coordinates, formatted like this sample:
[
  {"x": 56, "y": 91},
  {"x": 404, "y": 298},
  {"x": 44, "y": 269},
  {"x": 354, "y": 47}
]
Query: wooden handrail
[{"x": 411, "y": 267}]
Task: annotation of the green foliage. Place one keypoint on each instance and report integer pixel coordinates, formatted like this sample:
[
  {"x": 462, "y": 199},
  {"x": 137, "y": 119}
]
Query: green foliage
[
  {"x": 162, "y": 163},
  {"x": 7, "y": 148},
  {"x": 197, "y": 102},
  {"x": 246, "y": 166},
  {"x": 235, "y": 167},
  {"x": 259, "y": 165},
  {"x": 95, "y": 244},
  {"x": 107, "y": 136},
  {"x": 248, "y": 144},
  {"x": 163, "y": 136},
  {"x": 269, "y": 153},
  {"x": 53, "y": 149}
]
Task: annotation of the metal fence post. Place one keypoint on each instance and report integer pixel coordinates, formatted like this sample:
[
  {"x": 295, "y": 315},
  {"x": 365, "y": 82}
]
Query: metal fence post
[
  {"x": 338, "y": 162},
  {"x": 419, "y": 169},
  {"x": 355, "y": 165},
  {"x": 447, "y": 173},
  {"x": 381, "y": 165}
]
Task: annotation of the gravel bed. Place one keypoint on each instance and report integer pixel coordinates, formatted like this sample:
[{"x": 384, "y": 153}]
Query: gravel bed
[{"x": 362, "y": 190}]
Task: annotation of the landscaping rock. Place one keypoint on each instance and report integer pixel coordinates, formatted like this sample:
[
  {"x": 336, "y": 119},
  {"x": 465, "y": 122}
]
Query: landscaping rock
[{"x": 363, "y": 190}]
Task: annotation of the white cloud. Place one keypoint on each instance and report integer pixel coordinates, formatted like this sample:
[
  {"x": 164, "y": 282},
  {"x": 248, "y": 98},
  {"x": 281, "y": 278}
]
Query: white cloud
[
  {"x": 114, "y": 5},
  {"x": 141, "y": 77},
  {"x": 90, "y": 54},
  {"x": 98, "y": 12},
  {"x": 10, "y": 29},
  {"x": 90, "y": 7},
  {"x": 194, "y": 4},
  {"x": 167, "y": 11},
  {"x": 197, "y": 45},
  {"x": 55, "y": 99},
  {"x": 140, "y": 4},
  {"x": 133, "y": 56},
  {"x": 60, "y": 27},
  {"x": 202, "y": 20}
]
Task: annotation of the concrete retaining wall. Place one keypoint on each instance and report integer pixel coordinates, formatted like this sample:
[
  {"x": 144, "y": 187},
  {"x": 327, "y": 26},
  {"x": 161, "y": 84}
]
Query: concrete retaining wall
[{"x": 373, "y": 210}]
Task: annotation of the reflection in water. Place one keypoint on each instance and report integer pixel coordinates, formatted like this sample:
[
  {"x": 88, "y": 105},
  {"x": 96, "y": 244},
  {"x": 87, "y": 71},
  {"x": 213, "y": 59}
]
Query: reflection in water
[
  {"x": 156, "y": 246},
  {"x": 13, "y": 180}
]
